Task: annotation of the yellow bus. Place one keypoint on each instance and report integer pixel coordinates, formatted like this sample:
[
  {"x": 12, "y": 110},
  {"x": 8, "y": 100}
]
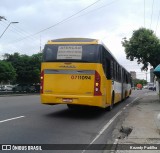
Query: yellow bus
[{"x": 82, "y": 71}]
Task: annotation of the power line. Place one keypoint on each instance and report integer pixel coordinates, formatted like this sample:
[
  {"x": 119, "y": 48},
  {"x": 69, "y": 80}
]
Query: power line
[
  {"x": 11, "y": 28},
  {"x": 157, "y": 22},
  {"x": 96, "y": 9},
  {"x": 18, "y": 30},
  {"x": 152, "y": 13},
  {"x": 144, "y": 13},
  {"x": 32, "y": 36},
  {"x": 64, "y": 20}
]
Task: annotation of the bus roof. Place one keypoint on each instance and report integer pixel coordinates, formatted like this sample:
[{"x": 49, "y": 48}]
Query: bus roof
[{"x": 74, "y": 41}]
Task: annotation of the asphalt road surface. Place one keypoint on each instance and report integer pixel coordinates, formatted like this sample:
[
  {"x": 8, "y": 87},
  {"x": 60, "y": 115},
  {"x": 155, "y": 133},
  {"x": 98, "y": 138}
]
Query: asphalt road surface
[{"x": 24, "y": 120}]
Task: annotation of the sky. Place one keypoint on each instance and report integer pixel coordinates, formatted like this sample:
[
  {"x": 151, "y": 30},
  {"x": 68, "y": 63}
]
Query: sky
[{"x": 107, "y": 20}]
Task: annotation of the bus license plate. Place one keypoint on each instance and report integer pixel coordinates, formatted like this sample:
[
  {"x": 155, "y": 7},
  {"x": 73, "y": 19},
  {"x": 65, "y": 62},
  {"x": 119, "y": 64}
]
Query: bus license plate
[{"x": 67, "y": 100}]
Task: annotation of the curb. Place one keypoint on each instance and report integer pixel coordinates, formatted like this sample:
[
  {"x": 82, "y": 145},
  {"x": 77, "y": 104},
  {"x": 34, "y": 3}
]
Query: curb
[{"x": 18, "y": 94}]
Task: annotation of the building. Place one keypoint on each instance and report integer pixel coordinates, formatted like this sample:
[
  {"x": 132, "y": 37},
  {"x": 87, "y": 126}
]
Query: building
[{"x": 133, "y": 74}]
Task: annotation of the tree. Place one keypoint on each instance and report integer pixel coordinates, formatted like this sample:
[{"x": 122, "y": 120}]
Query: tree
[
  {"x": 36, "y": 60},
  {"x": 143, "y": 46},
  {"x": 27, "y": 67},
  {"x": 139, "y": 81},
  {"x": 7, "y": 72}
]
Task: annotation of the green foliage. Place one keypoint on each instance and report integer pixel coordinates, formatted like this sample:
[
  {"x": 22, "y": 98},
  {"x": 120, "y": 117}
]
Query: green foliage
[
  {"x": 143, "y": 46},
  {"x": 139, "y": 81},
  {"x": 27, "y": 67},
  {"x": 7, "y": 72}
]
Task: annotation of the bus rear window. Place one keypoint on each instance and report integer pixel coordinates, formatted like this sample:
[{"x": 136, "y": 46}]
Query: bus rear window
[{"x": 71, "y": 53}]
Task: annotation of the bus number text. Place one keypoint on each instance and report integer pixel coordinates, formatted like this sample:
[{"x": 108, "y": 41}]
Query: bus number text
[{"x": 79, "y": 77}]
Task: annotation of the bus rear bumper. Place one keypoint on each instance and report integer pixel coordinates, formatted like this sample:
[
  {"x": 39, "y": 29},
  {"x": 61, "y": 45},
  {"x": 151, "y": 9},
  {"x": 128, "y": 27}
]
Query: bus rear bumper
[{"x": 71, "y": 99}]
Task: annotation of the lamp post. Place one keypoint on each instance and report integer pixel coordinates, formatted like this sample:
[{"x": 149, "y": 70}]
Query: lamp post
[
  {"x": 7, "y": 28},
  {"x": 2, "y": 17}
]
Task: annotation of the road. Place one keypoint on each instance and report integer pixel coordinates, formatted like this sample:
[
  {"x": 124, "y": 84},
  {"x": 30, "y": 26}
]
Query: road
[{"x": 24, "y": 120}]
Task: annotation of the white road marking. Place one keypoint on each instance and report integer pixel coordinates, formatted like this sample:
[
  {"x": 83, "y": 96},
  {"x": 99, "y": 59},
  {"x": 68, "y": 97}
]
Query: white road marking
[
  {"x": 11, "y": 119},
  {"x": 132, "y": 102},
  {"x": 108, "y": 124},
  {"x": 104, "y": 128}
]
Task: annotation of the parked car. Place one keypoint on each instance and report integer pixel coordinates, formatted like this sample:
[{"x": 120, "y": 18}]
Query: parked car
[
  {"x": 6, "y": 87},
  {"x": 150, "y": 86},
  {"x": 0, "y": 88},
  {"x": 145, "y": 87},
  {"x": 26, "y": 88}
]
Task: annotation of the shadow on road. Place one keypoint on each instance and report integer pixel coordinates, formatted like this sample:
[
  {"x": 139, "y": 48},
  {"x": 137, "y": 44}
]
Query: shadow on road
[{"x": 87, "y": 113}]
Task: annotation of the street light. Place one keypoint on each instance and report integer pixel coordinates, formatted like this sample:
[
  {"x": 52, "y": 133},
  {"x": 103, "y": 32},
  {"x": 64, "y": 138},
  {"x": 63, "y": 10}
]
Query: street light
[
  {"x": 7, "y": 28},
  {"x": 2, "y": 17}
]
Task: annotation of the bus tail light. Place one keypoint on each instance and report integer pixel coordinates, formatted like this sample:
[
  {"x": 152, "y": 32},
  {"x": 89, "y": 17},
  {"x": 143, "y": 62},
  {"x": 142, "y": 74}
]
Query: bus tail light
[
  {"x": 97, "y": 84},
  {"x": 42, "y": 80}
]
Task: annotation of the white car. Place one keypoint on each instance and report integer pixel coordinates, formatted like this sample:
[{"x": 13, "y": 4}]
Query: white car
[
  {"x": 145, "y": 87},
  {"x": 7, "y": 87}
]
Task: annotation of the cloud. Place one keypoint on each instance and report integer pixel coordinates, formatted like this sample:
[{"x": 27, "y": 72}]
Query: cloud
[{"x": 109, "y": 20}]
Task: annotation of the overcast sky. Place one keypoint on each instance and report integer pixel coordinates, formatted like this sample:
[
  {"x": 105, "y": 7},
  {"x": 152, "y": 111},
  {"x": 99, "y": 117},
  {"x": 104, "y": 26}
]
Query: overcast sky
[{"x": 108, "y": 20}]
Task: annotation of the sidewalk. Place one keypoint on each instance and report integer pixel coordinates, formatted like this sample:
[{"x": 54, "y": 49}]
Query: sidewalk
[{"x": 144, "y": 121}]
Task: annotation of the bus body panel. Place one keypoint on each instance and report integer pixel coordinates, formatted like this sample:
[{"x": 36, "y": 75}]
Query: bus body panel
[
  {"x": 76, "y": 100},
  {"x": 74, "y": 83},
  {"x": 117, "y": 90},
  {"x": 62, "y": 85}
]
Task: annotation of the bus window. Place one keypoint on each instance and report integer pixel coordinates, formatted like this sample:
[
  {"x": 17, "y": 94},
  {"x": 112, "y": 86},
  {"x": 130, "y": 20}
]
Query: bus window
[
  {"x": 114, "y": 70},
  {"x": 119, "y": 74},
  {"x": 104, "y": 64},
  {"x": 48, "y": 56},
  {"x": 108, "y": 69},
  {"x": 71, "y": 53},
  {"x": 126, "y": 78}
]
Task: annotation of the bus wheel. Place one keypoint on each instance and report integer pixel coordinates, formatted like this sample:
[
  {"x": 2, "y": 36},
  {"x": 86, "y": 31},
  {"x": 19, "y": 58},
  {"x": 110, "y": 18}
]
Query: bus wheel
[{"x": 112, "y": 103}]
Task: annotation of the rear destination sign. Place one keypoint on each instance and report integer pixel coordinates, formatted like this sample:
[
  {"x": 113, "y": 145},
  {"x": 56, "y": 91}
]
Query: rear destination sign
[{"x": 69, "y": 52}]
